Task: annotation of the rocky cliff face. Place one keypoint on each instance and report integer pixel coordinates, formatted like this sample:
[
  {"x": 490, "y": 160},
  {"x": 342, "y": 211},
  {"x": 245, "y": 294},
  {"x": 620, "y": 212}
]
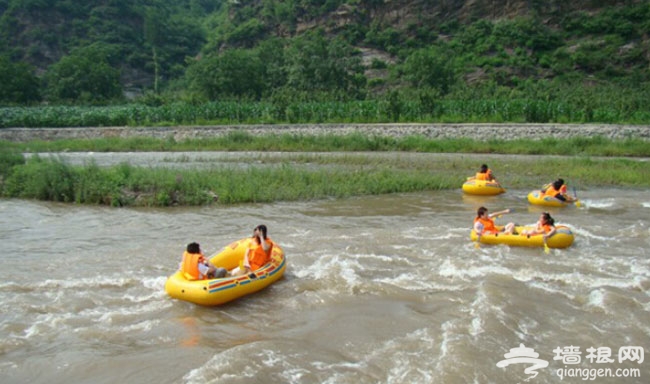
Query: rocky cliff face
[{"x": 403, "y": 13}]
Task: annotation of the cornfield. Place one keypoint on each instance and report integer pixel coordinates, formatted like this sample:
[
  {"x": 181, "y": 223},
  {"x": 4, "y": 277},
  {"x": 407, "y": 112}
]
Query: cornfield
[{"x": 367, "y": 111}]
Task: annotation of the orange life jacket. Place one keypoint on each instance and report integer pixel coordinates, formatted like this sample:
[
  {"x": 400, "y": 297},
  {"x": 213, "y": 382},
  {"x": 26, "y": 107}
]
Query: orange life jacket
[
  {"x": 488, "y": 225},
  {"x": 484, "y": 176},
  {"x": 547, "y": 228},
  {"x": 257, "y": 257},
  {"x": 190, "y": 265},
  {"x": 551, "y": 191}
]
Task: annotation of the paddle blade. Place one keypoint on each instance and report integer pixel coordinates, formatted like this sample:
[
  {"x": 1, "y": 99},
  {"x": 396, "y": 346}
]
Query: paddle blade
[
  {"x": 547, "y": 250},
  {"x": 578, "y": 203}
]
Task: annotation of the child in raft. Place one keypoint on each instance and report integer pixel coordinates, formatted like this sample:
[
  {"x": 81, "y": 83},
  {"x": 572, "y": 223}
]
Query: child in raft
[
  {"x": 483, "y": 223},
  {"x": 544, "y": 226}
]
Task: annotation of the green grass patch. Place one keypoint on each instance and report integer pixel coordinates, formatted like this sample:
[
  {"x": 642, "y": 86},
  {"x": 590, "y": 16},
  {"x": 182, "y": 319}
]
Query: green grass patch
[
  {"x": 244, "y": 141},
  {"x": 298, "y": 176}
]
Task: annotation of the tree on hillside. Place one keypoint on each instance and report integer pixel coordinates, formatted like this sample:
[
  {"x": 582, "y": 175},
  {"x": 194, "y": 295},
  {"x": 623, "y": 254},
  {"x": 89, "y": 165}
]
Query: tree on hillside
[
  {"x": 430, "y": 68},
  {"x": 272, "y": 53},
  {"x": 153, "y": 35},
  {"x": 317, "y": 64},
  {"x": 19, "y": 84},
  {"x": 235, "y": 73},
  {"x": 170, "y": 39},
  {"x": 84, "y": 76}
]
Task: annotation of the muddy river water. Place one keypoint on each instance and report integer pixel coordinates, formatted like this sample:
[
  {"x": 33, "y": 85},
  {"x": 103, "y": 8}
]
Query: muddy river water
[{"x": 382, "y": 289}]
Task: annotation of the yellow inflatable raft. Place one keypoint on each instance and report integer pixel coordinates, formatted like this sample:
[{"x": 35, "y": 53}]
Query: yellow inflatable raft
[
  {"x": 563, "y": 238},
  {"x": 482, "y": 187},
  {"x": 538, "y": 198},
  {"x": 223, "y": 290}
]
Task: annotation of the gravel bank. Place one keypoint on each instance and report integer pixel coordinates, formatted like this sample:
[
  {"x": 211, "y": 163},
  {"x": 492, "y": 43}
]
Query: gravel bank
[{"x": 473, "y": 131}]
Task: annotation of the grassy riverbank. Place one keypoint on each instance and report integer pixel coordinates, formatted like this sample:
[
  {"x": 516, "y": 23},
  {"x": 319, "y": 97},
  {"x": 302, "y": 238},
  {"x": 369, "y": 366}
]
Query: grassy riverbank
[
  {"x": 244, "y": 141},
  {"x": 294, "y": 176}
]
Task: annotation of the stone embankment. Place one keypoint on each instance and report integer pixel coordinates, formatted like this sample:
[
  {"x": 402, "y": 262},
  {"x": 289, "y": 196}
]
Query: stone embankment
[{"x": 433, "y": 131}]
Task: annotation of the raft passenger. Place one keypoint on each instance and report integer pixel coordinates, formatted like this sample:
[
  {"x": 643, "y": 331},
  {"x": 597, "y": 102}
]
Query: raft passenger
[
  {"x": 544, "y": 226},
  {"x": 485, "y": 173},
  {"x": 196, "y": 267},
  {"x": 258, "y": 252},
  {"x": 557, "y": 189},
  {"x": 484, "y": 224}
]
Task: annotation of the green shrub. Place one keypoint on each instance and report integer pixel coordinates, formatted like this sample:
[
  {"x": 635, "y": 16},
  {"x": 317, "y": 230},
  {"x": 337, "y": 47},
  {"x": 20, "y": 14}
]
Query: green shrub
[{"x": 42, "y": 179}]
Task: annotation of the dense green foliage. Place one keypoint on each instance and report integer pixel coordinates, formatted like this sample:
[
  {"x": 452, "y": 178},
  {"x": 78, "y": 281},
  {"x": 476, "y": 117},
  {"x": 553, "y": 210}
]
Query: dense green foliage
[
  {"x": 547, "y": 61},
  {"x": 85, "y": 75},
  {"x": 19, "y": 84},
  {"x": 141, "y": 42}
]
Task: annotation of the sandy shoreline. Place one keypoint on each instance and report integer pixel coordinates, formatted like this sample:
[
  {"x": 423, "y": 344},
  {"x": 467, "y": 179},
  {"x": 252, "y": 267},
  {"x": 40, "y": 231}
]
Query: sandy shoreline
[{"x": 441, "y": 131}]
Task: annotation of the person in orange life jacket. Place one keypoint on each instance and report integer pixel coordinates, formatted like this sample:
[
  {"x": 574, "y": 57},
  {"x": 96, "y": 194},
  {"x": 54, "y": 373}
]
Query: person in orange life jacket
[
  {"x": 195, "y": 266},
  {"x": 485, "y": 173},
  {"x": 483, "y": 223},
  {"x": 544, "y": 226},
  {"x": 258, "y": 252},
  {"x": 557, "y": 189}
]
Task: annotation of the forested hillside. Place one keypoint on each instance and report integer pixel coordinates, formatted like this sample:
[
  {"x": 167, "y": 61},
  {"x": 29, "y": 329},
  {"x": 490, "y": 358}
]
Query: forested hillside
[{"x": 197, "y": 51}]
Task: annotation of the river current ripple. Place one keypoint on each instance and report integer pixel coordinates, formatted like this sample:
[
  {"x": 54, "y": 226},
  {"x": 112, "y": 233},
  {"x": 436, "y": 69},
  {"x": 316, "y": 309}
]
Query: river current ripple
[{"x": 382, "y": 289}]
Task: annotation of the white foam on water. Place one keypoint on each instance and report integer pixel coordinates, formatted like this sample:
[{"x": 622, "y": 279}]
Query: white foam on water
[
  {"x": 72, "y": 306},
  {"x": 603, "y": 203},
  {"x": 85, "y": 283},
  {"x": 403, "y": 357},
  {"x": 570, "y": 282},
  {"x": 449, "y": 269},
  {"x": 428, "y": 233},
  {"x": 142, "y": 326},
  {"x": 526, "y": 326},
  {"x": 449, "y": 335},
  {"x": 596, "y": 299},
  {"x": 254, "y": 361},
  {"x": 154, "y": 283},
  {"x": 47, "y": 325},
  {"x": 329, "y": 270},
  {"x": 433, "y": 236},
  {"x": 552, "y": 289},
  {"x": 645, "y": 204},
  {"x": 219, "y": 369},
  {"x": 478, "y": 307},
  {"x": 415, "y": 281},
  {"x": 585, "y": 233},
  {"x": 122, "y": 314}
]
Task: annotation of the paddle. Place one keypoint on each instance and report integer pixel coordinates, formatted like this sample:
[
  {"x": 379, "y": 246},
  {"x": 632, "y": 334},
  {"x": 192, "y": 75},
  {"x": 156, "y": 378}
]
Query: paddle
[
  {"x": 478, "y": 235},
  {"x": 501, "y": 213},
  {"x": 575, "y": 196},
  {"x": 547, "y": 250}
]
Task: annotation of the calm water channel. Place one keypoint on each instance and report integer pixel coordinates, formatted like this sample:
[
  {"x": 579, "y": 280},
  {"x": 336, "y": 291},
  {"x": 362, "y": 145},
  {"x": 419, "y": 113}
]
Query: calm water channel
[{"x": 384, "y": 289}]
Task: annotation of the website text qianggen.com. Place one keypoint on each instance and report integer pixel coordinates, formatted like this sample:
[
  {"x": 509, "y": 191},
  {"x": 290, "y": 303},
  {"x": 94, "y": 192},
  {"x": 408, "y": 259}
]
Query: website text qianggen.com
[
  {"x": 602, "y": 355},
  {"x": 594, "y": 373}
]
